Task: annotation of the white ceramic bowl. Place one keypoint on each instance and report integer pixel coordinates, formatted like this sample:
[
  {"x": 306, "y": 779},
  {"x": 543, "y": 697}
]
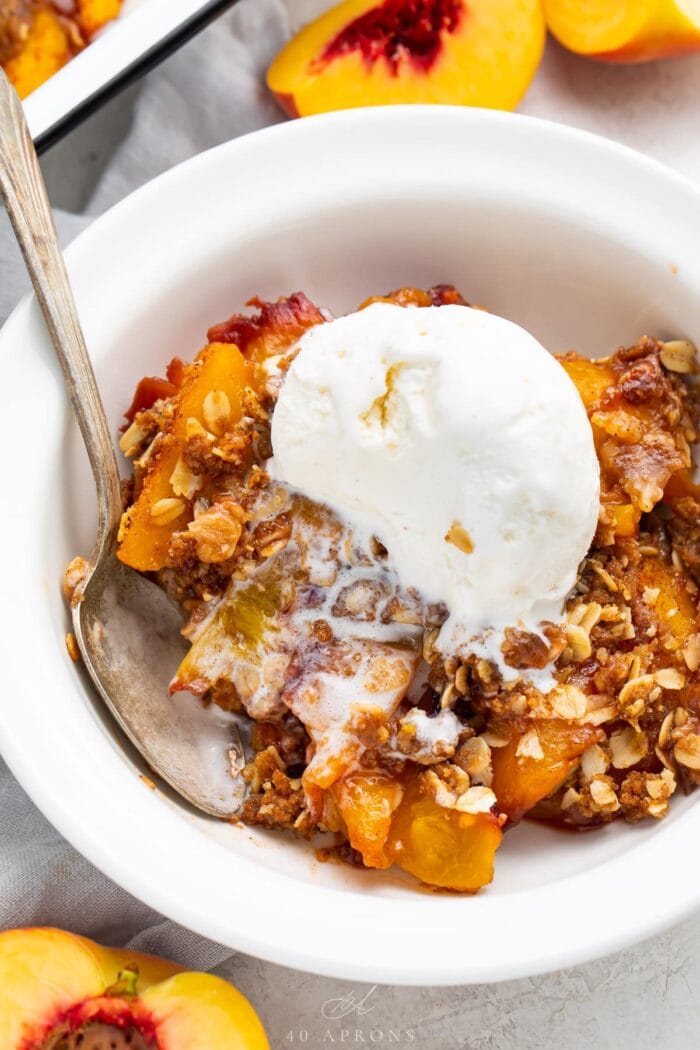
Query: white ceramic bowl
[{"x": 583, "y": 242}]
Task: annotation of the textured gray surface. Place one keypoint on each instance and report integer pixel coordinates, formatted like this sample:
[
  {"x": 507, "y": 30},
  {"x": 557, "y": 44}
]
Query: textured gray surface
[{"x": 645, "y": 997}]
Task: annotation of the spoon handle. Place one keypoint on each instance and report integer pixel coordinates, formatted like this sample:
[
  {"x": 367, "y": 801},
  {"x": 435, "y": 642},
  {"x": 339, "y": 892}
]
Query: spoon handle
[{"x": 26, "y": 200}]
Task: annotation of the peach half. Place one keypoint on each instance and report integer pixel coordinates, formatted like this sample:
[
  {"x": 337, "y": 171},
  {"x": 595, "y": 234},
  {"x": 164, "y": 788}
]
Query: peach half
[
  {"x": 625, "y": 30},
  {"x": 58, "y": 990},
  {"x": 365, "y": 53}
]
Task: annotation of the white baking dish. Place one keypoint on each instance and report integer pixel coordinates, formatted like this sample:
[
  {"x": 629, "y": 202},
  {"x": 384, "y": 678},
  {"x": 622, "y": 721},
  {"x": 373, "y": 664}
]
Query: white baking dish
[{"x": 146, "y": 32}]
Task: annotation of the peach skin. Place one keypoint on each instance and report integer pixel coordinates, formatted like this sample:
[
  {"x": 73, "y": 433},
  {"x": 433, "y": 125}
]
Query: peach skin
[
  {"x": 369, "y": 53},
  {"x": 58, "y": 990},
  {"x": 625, "y": 30}
]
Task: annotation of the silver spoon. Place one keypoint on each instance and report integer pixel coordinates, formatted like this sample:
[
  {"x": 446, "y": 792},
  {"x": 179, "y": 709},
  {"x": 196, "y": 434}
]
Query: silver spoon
[{"x": 127, "y": 629}]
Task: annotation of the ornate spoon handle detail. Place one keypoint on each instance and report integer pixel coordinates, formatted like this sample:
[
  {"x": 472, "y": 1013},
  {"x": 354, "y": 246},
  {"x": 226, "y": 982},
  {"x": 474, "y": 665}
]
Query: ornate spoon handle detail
[{"x": 23, "y": 188}]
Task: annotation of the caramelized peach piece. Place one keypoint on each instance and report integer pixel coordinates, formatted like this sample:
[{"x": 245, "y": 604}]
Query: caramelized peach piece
[
  {"x": 673, "y": 605},
  {"x": 633, "y": 474},
  {"x": 625, "y": 30},
  {"x": 520, "y": 781},
  {"x": 44, "y": 51},
  {"x": 241, "y": 642},
  {"x": 624, "y": 518},
  {"x": 680, "y": 486},
  {"x": 591, "y": 378},
  {"x": 376, "y": 52},
  {"x": 367, "y": 802},
  {"x": 272, "y": 331},
  {"x": 443, "y": 847},
  {"x": 92, "y": 15},
  {"x": 149, "y": 390},
  {"x": 145, "y": 535}
]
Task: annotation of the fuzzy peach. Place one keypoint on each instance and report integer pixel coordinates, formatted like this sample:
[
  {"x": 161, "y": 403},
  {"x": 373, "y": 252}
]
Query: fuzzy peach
[
  {"x": 61, "y": 990},
  {"x": 364, "y": 52},
  {"x": 625, "y": 30}
]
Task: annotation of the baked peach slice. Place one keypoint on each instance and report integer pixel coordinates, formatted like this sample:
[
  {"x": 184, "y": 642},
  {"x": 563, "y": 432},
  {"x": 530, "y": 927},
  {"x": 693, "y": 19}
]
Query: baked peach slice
[
  {"x": 213, "y": 390},
  {"x": 367, "y": 803},
  {"x": 370, "y": 53},
  {"x": 270, "y": 332},
  {"x": 391, "y": 821},
  {"x": 591, "y": 378},
  {"x": 45, "y": 50},
  {"x": 61, "y": 990},
  {"x": 625, "y": 30},
  {"x": 208, "y": 396},
  {"x": 92, "y": 15},
  {"x": 523, "y": 776},
  {"x": 442, "y": 847},
  {"x": 51, "y": 40},
  {"x": 676, "y": 610}
]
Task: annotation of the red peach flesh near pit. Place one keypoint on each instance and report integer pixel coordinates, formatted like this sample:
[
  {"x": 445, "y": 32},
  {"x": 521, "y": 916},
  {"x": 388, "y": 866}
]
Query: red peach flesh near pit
[
  {"x": 398, "y": 30},
  {"x": 105, "y": 1022},
  {"x": 61, "y": 991},
  {"x": 399, "y": 52}
]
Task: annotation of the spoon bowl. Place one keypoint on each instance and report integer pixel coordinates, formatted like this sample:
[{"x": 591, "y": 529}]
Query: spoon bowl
[{"x": 128, "y": 632}]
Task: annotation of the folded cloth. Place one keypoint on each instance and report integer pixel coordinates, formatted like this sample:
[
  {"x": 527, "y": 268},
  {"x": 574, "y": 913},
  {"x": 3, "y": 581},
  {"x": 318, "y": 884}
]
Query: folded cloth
[{"x": 209, "y": 92}]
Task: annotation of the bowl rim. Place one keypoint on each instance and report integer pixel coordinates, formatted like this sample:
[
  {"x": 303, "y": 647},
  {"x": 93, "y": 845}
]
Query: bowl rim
[{"x": 573, "y": 938}]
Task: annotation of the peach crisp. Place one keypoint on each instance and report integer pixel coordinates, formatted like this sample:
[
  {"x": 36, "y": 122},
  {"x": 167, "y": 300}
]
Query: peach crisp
[
  {"x": 38, "y": 37},
  {"x": 371, "y": 720}
]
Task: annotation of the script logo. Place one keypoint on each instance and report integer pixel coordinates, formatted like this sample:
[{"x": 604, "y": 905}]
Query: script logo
[{"x": 345, "y": 1005}]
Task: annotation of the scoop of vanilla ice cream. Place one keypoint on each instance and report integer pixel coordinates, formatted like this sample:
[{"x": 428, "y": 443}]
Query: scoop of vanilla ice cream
[{"x": 462, "y": 444}]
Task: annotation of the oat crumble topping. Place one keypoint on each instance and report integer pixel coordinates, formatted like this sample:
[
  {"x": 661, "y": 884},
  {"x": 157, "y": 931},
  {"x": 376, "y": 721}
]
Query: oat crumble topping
[{"x": 362, "y": 727}]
